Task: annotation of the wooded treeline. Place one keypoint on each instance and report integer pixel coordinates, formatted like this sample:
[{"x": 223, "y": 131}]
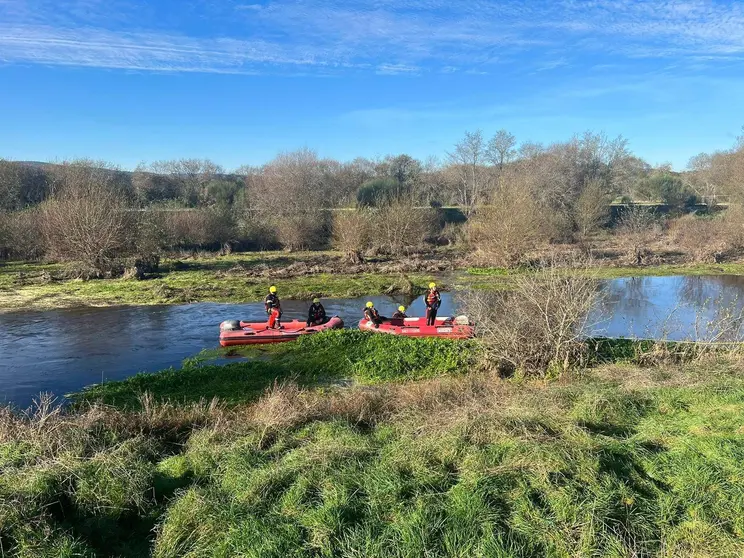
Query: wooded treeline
[{"x": 516, "y": 195}]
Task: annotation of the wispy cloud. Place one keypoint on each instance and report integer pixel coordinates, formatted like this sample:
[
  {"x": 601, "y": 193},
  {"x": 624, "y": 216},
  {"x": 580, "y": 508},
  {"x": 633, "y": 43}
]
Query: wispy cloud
[{"x": 387, "y": 36}]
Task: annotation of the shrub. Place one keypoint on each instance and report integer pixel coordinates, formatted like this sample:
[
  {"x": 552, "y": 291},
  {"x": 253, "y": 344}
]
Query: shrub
[
  {"x": 506, "y": 231},
  {"x": 88, "y": 223},
  {"x": 555, "y": 225},
  {"x": 591, "y": 210},
  {"x": 703, "y": 239},
  {"x": 733, "y": 225},
  {"x": 256, "y": 232},
  {"x": 636, "y": 230},
  {"x": 352, "y": 233},
  {"x": 20, "y": 235},
  {"x": 188, "y": 229},
  {"x": 538, "y": 326},
  {"x": 398, "y": 228},
  {"x": 303, "y": 230}
]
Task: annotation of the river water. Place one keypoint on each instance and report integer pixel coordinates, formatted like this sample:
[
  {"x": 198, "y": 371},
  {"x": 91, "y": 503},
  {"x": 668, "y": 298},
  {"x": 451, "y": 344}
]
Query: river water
[{"x": 62, "y": 351}]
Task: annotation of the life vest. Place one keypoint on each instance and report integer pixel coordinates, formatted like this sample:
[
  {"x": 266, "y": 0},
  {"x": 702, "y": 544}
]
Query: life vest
[
  {"x": 433, "y": 298},
  {"x": 371, "y": 314},
  {"x": 317, "y": 312},
  {"x": 271, "y": 301}
]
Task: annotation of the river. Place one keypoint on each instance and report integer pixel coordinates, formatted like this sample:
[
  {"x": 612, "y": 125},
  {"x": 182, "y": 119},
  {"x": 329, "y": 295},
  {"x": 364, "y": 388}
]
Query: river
[{"x": 62, "y": 351}]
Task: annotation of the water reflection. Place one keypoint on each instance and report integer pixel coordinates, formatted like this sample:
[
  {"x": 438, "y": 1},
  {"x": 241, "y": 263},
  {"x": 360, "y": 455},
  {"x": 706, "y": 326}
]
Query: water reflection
[{"x": 674, "y": 308}]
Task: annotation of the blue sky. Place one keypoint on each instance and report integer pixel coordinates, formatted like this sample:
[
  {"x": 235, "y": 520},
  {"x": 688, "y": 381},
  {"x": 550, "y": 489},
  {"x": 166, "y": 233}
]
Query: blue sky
[{"x": 238, "y": 81}]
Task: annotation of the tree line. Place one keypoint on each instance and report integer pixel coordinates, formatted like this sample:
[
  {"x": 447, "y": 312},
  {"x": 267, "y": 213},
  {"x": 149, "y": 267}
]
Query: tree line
[{"x": 515, "y": 195}]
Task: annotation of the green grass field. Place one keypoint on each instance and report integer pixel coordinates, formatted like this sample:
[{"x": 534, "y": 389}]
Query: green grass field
[{"x": 354, "y": 444}]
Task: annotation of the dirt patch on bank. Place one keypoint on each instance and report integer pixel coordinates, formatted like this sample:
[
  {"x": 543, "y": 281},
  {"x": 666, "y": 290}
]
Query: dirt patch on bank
[{"x": 336, "y": 265}]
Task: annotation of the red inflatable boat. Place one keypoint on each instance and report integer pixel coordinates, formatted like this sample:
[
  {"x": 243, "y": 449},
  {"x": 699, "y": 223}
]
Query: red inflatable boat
[
  {"x": 233, "y": 332},
  {"x": 447, "y": 328}
]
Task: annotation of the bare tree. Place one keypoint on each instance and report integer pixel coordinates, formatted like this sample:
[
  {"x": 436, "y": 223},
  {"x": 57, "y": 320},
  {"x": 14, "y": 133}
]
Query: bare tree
[
  {"x": 10, "y": 185},
  {"x": 352, "y": 233},
  {"x": 87, "y": 222},
  {"x": 510, "y": 228},
  {"x": 19, "y": 238},
  {"x": 701, "y": 178},
  {"x": 292, "y": 192},
  {"x": 21, "y": 185},
  {"x": 637, "y": 229},
  {"x": 82, "y": 174},
  {"x": 400, "y": 229},
  {"x": 592, "y": 209},
  {"x": 501, "y": 149},
  {"x": 530, "y": 150},
  {"x": 193, "y": 177},
  {"x": 467, "y": 161},
  {"x": 539, "y": 326}
]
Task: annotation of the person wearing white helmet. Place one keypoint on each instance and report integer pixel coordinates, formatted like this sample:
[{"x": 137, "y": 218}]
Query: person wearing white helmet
[{"x": 317, "y": 314}]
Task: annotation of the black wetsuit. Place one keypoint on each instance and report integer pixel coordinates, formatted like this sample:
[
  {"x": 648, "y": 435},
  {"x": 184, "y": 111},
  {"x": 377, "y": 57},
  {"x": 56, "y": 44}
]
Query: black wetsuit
[
  {"x": 316, "y": 315},
  {"x": 373, "y": 316}
]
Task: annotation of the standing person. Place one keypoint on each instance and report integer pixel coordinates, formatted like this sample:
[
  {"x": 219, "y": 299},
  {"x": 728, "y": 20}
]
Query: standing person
[
  {"x": 273, "y": 308},
  {"x": 400, "y": 314},
  {"x": 433, "y": 302},
  {"x": 372, "y": 315},
  {"x": 317, "y": 314}
]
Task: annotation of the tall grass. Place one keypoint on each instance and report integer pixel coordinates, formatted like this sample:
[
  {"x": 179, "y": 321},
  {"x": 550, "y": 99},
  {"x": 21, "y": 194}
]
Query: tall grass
[{"x": 588, "y": 472}]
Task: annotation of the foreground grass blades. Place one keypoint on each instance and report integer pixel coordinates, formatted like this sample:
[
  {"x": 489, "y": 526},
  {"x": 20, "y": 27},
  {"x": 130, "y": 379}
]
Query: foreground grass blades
[
  {"x": 537, "y": 486},
  {"x": 615, "y": 464}
]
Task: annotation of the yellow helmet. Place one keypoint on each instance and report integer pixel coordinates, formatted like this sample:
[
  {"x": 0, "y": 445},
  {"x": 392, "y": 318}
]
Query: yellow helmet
[
  {"x": 316, "y": 300},
  {"x": 370, "y": 304},
  {"x": 432, "y": 285},
  {"x": 401, "y": 308},
  {"x": 272, "y": 289}
]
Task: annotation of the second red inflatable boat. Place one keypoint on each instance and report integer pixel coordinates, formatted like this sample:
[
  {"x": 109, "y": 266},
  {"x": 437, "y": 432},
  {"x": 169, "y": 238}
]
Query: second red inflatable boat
[
  {"x": 233, "y": 332},
  {"x": 447, "y": 328}
]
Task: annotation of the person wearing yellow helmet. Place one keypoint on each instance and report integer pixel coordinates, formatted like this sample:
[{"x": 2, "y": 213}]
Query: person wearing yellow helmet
[
  {"x": 400, "y": 314},
  {"x": 317, "y": 314},
  {"x": 273, "y": 308},
  {"x": 433, "y": 301},
  {"x": 371, "y": 314}
]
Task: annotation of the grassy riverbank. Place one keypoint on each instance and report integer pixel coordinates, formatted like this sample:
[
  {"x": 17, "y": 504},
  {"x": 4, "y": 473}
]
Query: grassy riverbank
[
  {"x": 409, "y": 457},
  {"x": 333, "y": 359},
  {"x": 241, "y": 278},
  {"x": 237, "y": 279}
]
